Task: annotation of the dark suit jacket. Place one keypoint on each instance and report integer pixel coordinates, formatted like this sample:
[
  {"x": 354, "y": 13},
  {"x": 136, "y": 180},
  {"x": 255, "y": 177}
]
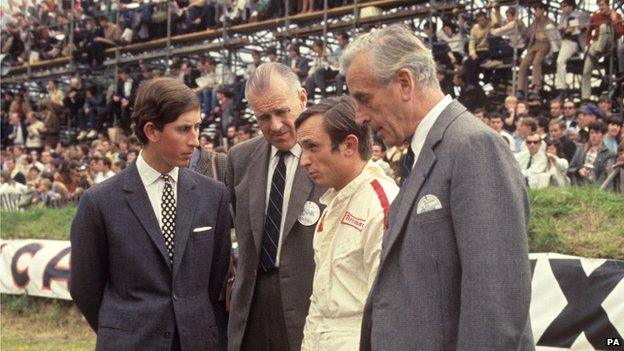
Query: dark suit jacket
[
  {"x": 248, "y": 164},
  {"x": 455, "y": 277},
  {"x": 600, "y": 164},
  {"x": 9, "y": 130},
  {"x": 121, "y": 278}
]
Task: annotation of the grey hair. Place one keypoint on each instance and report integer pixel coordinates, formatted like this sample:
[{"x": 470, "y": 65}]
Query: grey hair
[
  {"x": 393, "y": 48},
  {"x": 260, "y": 79}
]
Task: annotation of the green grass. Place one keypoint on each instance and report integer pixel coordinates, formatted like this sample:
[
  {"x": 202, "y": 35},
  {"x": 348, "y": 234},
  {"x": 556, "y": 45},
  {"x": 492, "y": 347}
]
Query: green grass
[
  {"x": 37, "y": 223},
  {"x": 575, "y": 221}
]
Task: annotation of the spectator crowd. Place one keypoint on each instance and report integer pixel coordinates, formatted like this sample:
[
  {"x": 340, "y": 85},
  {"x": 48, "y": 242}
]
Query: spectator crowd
[{"x": 79, "y": 135}]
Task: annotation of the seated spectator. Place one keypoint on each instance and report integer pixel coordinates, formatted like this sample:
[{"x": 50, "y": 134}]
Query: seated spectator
[
  {"x": 496, "y": 122},
  {"x": 244, "y": 133},
  {"x": 33, "y": 177},
  {"x": 614, "y": 130},
  {"x": 538, "y": 48},
  {"x": 93, "y": 111},
  {"x": 455, "y": 39},
  {"x": 224, "y": 109},
  {"x": 45, "y": 46},
  {"x": 122, "y": 100},
  {"x": 569, "y": 113},
  {"x": 570, "y": 26},
  {"x": 479, "y": 112},
  {"x": 439, "y": 48},
  {"x": 51, "y": 124},
  {"x": 556, "y": 133},
  {"x": 10, "y": 185},
  {"x": 271, "y": 53},
  {"x": 14, "y": 172},
  {"x": 591, "y": 160},
  {"x": 299, "y": 64},
  {"x": 471, "y": 96},
  {"x": 557, "y": 164},
  {"x": 556, "y": 110},
  {"x": 379, "y": 150},
  {"x": 12, "y": 44},
  {"x": 508, "y": 113},
  {"x": 615, "y": 178},
  {"x": 320, "y": 71},
  {"x": 478, "y": 47},
  {"x": 512, "y": 30},
  {"x": 605, "y": 27},
  {"x": 533, "y": 162},
  {"x": 525, "y": 127},
  {"x": 45, "y": 196}
]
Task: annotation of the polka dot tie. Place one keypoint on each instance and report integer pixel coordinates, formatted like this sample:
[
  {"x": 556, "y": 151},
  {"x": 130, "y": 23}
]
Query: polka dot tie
[{"x": 168, "y": 207}]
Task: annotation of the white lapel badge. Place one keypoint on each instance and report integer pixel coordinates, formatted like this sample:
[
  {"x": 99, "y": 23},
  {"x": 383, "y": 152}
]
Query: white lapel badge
[{"x": 428, "y": 203}]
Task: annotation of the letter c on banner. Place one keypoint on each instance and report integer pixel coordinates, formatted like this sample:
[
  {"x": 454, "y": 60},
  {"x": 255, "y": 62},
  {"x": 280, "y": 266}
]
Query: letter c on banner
[
  {"x": 54, "y": 272},
  {"x": 21, "y": 277}
]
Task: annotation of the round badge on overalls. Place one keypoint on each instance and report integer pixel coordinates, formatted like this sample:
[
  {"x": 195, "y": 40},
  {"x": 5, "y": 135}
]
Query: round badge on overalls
[{"x": 310, "y": 214}]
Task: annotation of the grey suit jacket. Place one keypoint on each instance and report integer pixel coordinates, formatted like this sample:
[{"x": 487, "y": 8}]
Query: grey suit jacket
[
  {"x": 121, "y": 277},
  {"x": 456, "y": 277},
  {"x": 248, "y": 164}
]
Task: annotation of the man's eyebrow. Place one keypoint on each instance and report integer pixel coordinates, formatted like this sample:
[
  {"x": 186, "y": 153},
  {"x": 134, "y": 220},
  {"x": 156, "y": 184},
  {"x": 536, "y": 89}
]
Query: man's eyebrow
[{"x": 358, "y": 95}]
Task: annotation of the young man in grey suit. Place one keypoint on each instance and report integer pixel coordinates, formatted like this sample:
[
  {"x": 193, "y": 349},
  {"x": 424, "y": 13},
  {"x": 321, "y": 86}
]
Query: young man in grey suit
[
  {"x": 454, "y": 270},
  {"x": 276, "y": 210},
  {"x": 150, "y": 246}
]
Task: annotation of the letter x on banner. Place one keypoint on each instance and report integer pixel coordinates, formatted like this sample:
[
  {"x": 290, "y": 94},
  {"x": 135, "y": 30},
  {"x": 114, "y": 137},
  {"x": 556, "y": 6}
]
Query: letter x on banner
[{"x": 576, "y": 304}]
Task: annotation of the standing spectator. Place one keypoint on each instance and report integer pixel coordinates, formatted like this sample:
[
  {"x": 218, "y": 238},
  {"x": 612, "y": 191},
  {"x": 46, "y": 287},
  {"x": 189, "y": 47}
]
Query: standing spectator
[
  {"x": 17, "y": 131},
  {"x": 556, "y": 110},
  {"x": 533, "y": 161},
  {"x": 122, "y": 100},
  {"x": 615, "y": 179},
  {"x": 103, "y": 169},
  {"x": 471, "y": 96},
  {"x": 51, "y": 124},
  {"x": 591, "y": 160},
  {"x": 93, "y": 45},
  {"x": 539, "y": 46},
  {"x": 614, "y": 129},
  {"x": 556, "y": 133},
  {"x": 514, "y": 29},
  {"x": 605, "y": 26},
  {"x": 570, "y": 26},
  {"x": 75, "y": 100},
  {"x": 377, "y": 157},
  {"x": 557, "y": 164},
  {"x": 508, "y": 113},
  {"x": 33, "y": 139},
  {"x": 604, "y": 104}
]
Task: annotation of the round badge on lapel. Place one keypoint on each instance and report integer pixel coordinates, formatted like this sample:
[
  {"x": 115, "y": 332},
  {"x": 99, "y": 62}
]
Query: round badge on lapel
[{"x": 311, "y": 213}]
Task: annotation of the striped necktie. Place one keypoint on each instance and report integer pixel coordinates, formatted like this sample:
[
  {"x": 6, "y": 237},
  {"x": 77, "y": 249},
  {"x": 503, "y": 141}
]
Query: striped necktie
[
  {"x": 273, "y": 219},
  {"x": 407, "y": 163}
]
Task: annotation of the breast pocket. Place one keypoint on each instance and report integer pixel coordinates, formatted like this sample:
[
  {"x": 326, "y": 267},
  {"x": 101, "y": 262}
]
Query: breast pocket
[
  {"x": 431, "y": 216},
  {"x": 202, "y": 234}
]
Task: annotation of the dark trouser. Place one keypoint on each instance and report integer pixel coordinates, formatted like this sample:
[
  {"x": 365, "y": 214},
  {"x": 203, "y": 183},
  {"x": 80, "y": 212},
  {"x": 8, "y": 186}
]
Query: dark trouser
[
  {"x": 266, "y": 328},
  {"x": 473, "y": 67}
]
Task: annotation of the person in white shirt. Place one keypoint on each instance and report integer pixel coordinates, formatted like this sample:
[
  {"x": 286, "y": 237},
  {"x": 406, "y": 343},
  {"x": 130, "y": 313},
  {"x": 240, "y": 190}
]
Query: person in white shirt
[
  {"x": 533, "y": 162},
  {"x": 105, "y": 172},
  {"x": 496, "y": 122},
  {"x": 347, "y": 241}
]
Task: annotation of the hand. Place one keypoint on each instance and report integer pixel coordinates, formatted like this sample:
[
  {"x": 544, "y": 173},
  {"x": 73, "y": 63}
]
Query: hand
[
  {"x": 474, "y": 56},
  {"x": 72, "y": 94},
  {"x": 583, "y": 172},
  {"x": 124, "y": 102},
  {"x": 551, "y": 156}
]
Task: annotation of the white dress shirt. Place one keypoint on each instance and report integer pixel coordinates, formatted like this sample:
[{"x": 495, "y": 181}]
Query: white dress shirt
[
  {"x": 420, "y": 135},
  {"x": 291, "y": 160},
  {"x": 154, "y": 185}
]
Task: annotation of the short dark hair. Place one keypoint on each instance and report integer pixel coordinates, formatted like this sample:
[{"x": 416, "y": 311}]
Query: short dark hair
[
  {"x": 161, "y": 101},
  {"x": 344, "y": 35},
  {"x": 106, "y": 161},
  {"x": 339, "y": 121},
  {"x": 598, "y": 126},
  {"x": 530, "y": 122},
  {"x": 616, "y": 120}
]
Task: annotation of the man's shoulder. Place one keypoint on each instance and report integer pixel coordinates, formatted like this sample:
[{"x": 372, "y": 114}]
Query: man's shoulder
[
  {"x": 205, "y": 183},
  {"x": 247, "y": 147}
]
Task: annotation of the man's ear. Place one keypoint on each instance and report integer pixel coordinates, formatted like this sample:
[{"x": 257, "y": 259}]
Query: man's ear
[
  {"x": 405, "y": 81},
  {"x": 351, "y": 145},
  {"x": 152, "y": 134},
  {"x": 303, "y": 98}
]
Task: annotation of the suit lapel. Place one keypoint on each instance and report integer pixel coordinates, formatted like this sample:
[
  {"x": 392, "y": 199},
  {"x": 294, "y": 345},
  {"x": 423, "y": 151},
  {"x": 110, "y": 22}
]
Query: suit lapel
[
  {"x": 139, "y": 203},
  {"x": 185, "y": 211},
  {"x": 301, "y": 188},
  {"x": 257, "y": 173},
  {"x": 418, "y": 177}
]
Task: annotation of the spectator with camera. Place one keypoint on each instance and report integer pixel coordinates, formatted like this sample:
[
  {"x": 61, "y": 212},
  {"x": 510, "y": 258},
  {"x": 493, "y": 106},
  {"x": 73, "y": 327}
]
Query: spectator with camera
[{"x": 592, "y": 159}]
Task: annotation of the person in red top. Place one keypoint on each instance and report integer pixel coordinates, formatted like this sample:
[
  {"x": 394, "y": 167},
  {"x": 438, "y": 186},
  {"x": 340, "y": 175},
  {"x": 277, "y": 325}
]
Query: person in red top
[{"x": 605, "y": 27}]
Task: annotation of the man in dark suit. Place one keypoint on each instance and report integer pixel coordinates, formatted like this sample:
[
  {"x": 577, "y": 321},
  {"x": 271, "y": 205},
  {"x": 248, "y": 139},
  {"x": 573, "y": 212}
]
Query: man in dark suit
[
  {"x": 150, "y": 246},
  {"x": 454, "y": 270},
  {"x": 276, "y": 210}
]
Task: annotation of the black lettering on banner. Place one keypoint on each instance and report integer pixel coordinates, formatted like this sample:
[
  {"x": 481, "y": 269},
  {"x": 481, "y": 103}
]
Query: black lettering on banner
[
  {"x": 21, "y": 277},
  {"x": 54, "y": 272},
  {"x": 585, "y": 295}
]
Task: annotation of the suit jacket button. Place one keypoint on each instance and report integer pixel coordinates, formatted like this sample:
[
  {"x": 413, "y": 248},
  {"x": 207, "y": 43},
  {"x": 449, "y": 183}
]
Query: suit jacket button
[{"x": 167, "y": 334}]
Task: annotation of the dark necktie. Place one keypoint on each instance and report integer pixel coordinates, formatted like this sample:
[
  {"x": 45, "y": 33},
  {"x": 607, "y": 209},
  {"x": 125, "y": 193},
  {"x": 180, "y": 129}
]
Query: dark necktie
[
  {"x": 273, "y": 220},
  {"x": 168, "y": 207},
  {"x": 406, "y": 164},
  {"x": 530, "y": 161}
]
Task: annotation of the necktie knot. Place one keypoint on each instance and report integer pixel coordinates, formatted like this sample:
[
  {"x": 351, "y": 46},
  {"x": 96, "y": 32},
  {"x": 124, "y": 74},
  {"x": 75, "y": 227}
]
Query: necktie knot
[{"x": 166, "y": 178}]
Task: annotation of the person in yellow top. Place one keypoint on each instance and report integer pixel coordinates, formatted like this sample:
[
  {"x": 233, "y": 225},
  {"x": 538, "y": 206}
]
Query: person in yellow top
[{"x": 347, "y": 241}]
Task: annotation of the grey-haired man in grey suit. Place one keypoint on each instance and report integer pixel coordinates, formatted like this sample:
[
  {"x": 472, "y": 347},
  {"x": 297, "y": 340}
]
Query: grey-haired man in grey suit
[
  {"x": 276, "y": 210},
  {"x": 150, "y": 246},
  {"x": 454, "y": 270}
]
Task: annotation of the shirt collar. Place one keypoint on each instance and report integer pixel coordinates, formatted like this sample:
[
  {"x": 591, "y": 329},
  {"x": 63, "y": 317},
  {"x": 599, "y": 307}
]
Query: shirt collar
[
  {"x": 426, "y": 123},
  {"x": 294, "y": 151},
  {"x": 149, "y": 174}
]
